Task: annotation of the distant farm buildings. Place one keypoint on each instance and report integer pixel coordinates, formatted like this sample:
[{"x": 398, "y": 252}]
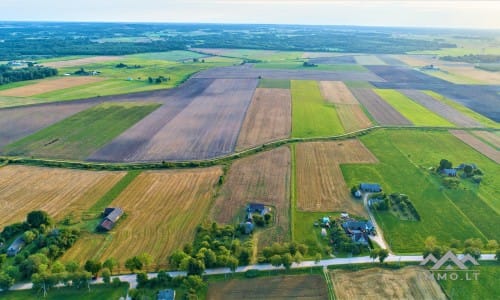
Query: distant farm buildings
[
  {"x": 111, "y": 216},
  {"x": 370, "y": 187}
]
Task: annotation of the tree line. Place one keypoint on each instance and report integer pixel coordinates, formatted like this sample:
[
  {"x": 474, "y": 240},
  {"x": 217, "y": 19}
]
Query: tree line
[{"x": 9, "y": 75}]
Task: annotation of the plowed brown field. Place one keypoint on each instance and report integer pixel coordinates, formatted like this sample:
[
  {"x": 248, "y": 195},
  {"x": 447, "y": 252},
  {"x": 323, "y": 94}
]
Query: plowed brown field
[
  {"x": 262, "y": 178},
  {"x": 49, "y": 85},
  {"x": 477, "y": 144},
  {"x": 320, "y": 184},
  {"x": 352, "y": 117},
  {"x": 162, "y": 208},
  {"x": 268, "y": 118},
  {"x": 380, "y": 110},
  {"x": 306, "y": 287},
  {"x": 59, "y": 192},
  {"x": 407, "y": 283},
  {"x": 336, "y": 92}
]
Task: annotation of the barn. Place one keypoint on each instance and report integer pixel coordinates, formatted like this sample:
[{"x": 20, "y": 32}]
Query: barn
[
  {"x": 370, "y": 187},
  {"x": 111, "y": 216}
]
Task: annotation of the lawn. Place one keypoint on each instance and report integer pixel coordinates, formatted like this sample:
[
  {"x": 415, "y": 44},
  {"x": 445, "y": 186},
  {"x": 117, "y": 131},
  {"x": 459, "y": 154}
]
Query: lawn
[
  {"x": 312, "y": 116},
  {"x": 405, "y": 157},
  {"x": 485, "y": 287},
  {"x": 466, "y": 111},
  {"x": 97, "y": 292},
  {"x": 299, "y": 65},
  {"x": 414, "y": 112},
  {"x": 274, "y": 83},
  {"x": 83, "y": 133}
]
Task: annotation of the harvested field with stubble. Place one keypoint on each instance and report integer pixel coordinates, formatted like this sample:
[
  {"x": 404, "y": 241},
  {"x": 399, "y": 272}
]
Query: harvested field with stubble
[
  {"x": 262, "y": 178},
  {"x": 491, "y": 137},
  {"x": 320, "y": 184},
  {"x": 477, "y": 144},
  {"x": 208, "y": 127},
  {"x": 375, "y": 283},
  {"x": 60, "y": 192},
  {"x": 336, "y": 92},
  {"x": 49, "y": 85},
  {"x": 352, "y": 117},
  {"x": 441, "y": 109},
  {"x": 473, "y": 73},
  {"x": 160, "y": 207},
  {"x": 268, "y": 118},
  {"x": 81, "y": 61},
  {"x": 380, "y": 110},
  {"x": 306, "y": 287}
]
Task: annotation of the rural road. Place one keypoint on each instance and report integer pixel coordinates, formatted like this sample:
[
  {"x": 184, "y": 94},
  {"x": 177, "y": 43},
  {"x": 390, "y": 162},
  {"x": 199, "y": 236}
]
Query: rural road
[
  {"x": 131, "y": 278},
  {"x": 379, "y": 238}
]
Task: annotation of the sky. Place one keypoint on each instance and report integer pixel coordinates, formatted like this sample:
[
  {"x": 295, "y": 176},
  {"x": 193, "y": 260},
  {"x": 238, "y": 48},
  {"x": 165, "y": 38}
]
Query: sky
[{"x": 408, "y": 13}]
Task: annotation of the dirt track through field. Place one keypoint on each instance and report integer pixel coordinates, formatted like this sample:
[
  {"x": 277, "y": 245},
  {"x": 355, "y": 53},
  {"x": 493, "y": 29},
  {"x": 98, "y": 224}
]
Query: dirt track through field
[
  {"x": 477, "y": 144},
  {"x": 336, "y": 92},
  {"x": 305, "y": 287},
  {"x": 81, "y": 61},
  {"x": 375, "y": 283},
  {"x": 380, "y": 110},
  {"x": 441, "y": 109},
  {"x": 320, "y": 184},
  {"x": 268, "y": 118},
  {"x": 49, "y": 85},
  {"x": 262, "y": 178},
  {"x": 59, "y": 192}
]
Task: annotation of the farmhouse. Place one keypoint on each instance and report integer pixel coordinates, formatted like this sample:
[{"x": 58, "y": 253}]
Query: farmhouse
[
  {"x": 360, "y": 238},
  {"x": 111, "y": 216},
  {"x": 370, "y": 187},
  {"x": 16, "y": 246},
  {"x": 352, "y": 227},
  {"x": 168, "y": 294},
  {"x": 449, "y": 172},
  {"x": 256, "y": 208}
]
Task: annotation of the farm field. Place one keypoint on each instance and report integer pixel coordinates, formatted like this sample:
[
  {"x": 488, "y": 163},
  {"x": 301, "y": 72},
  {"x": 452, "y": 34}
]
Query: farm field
[
  {"x": 405, "y": 157},
  {"x": 414, "y": 112},
  {"x": 464, "y": 110},
  {"x": 352, "y": 117},
  {"x": 478, "y": 145},
  {"x": 307, "y": 287},
  {"x": 451, "y": 77},
  {"x": 440, "y": 108},
  {"x": 336, "y": 92},
  {"x": 18, "y": 122},
  {"x": 262, "y": 178},
  {"x": 97, "y": 292},
  {"x": 49, "y": 85},
  {"x": 320, "y": 185},
  {"x": 80, "y": 135},
  {"x": 369, "y": 60},
  {"x": 176, "y": 55},
  {"x": 207, "y": 127},
  {"x": 475, "y": 74},
  {"x": 68, "y": 62},
  {"x": 311, "y": 114},
  {"x": 380, "y": 110},
  {"x": 274, "y": 83},
  {"x": 299, "y": 65},
  {"x": 268, "y": 118},
  {"x": 493, "y": 138},
  {"x": 266, "y": 55},
  {"x": 376, "y": 283},
  {"x": 160, "y": 207},
  {"x": 417, "y": 60},
  {"x": 332, "y": 59},
  {"x": 60, "y": 192}
]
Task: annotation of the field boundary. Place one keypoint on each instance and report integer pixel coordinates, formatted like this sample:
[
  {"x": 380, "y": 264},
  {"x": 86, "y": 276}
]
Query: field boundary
[{"x": 95, "y": 166}]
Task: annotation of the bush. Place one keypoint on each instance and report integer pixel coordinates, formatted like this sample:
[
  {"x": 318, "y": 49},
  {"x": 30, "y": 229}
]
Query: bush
[{"x": 252, "y": 273}]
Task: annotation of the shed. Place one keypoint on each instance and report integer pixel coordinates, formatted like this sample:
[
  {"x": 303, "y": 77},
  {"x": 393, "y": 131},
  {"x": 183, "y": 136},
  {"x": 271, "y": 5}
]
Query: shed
[
  {"x": 370, "y": 187},
  {"x": 357, "y": 194},
  {"x": 168, "y": 294},
  {"x": 449, "y": 172},
  {"x": 111, "y": 216},
  {"x": 16, "y": 246}
]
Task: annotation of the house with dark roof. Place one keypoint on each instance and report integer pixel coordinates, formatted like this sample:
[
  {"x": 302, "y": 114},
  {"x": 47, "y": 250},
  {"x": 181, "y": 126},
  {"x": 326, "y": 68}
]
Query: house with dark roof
[
  {"x": 111, "y": 216},
  {"x": 255, "y": 208},
  {"x": 352, "y": 227},
  {"x": 449, "y": 172},
  {"x": 16, "y": 246},
  {"x": 360, "y": 238},
  {"x": 370, "y": 187},
  {"x": 168, "y": 294}
]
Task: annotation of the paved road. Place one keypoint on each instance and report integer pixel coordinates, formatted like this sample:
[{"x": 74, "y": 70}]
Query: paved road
[
  {"x": 379, "y": 238},
  {"x": 131, "y": 278}
]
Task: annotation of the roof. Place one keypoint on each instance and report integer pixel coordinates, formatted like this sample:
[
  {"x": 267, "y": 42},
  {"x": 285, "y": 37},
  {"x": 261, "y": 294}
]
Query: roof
[
  {"x": 358, "y": 225},
  {"x": 370, "y": 186},
  {"x": 115, "y": 214},
  {"x": 255, "y": 206},
  {"x": 107, "y": 224},
  {"x": 449, "y": 172},
  {"x": 360, "y": 238},
  {"x": 16, "y": 245},
  {"x": 167, "y": 294}
]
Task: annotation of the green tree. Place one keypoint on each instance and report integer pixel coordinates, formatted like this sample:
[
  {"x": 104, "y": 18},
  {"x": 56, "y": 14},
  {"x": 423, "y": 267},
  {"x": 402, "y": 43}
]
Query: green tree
[
  {"x": 195, "y": 267},
  {"x": 468, "y": 170},
  {"x": 92, "y": 266},
  {"x": 276, "y": 260},
  {"x": 473, "y": 251},
  {"x": 72, "y": 266},
  {"x": 194, "y": 282},
  {"x": 267, "y": 218},
  {"x": 232, "y": 263},
  {"x": 29, "y": 236},
  {"x": 37, "y": 218},
  {"x": 497, "y": 255},
  {"x": 176, "y": 258},
  {"x": 374, "y": 254},
  {"x": 382, "y": 255},
  {"x": 146, "y": 259},
  {"x": 58, "y": 267},
  {"x": 317, "y": 258},
  {"x": 492, "y": 245},
  {"x": 142, "y": 279},
  {"x": 302, "y": 248},
  {"x": 287, "y": 260},
  {"x": 5, "y": 281},
  {"x": 445, "y": 164},
  {"x": 106, "y": 275},
  {"x": 133, "y": 264},
  {"x": 298, "y": 258},
  {"x": 110, "y": 264},
  {"x": 244, "y": 257}
]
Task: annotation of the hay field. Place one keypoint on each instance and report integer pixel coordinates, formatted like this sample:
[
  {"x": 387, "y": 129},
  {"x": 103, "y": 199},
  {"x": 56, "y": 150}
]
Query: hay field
[
  {"x": 262, "y": 178},
  {"x": 491, "y": 137},
  {"x": 478, "y": 75},
  {"x": 320, "y": 184},
  {"x": 407, "y": 283},
  {"x": 49, "y": 85},
  {"x": 306, "y": 287},
  {"x": 337, "y": 92},
  {"x": 416, "y": 60},
  {"x": 162, "y": 211},
  {"x": 268, "y": 118},
  {"x": 477, "y": 144},
  {"x": 81, "y": 61},
  {"x": 60, "y": 192},
  {"x": 352, "y": 117}
]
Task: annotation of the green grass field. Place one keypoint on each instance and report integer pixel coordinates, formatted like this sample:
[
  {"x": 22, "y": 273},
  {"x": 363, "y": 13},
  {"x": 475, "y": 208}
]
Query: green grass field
[
  {"x": 405, "y": 157},
  {"x": 485, "y": 287},
  {"x": 312, "y": 116},
  {"x": 177, "y": 55},
  {"x": 298, "y": 65},
  {"x": 413, "y": 111},
  {"x": 83, "y": 133},
  {"x": 274, "y": 83},
  {"x": 465, "y": 110},
  {"x": 97, "y": 292}
]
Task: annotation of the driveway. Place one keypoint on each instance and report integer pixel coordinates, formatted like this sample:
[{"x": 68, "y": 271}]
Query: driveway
[{"x": 379, "y": 238}]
